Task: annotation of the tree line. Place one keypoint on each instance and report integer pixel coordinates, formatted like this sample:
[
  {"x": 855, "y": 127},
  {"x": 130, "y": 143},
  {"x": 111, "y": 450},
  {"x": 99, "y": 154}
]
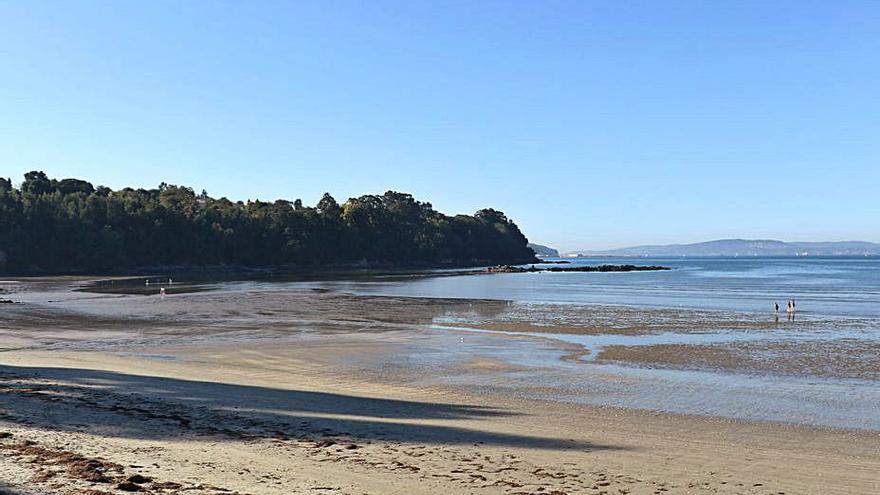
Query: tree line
[{"x": 68, "y": 225}]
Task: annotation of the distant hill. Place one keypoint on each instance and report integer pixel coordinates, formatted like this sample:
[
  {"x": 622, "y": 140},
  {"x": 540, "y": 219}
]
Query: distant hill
[
  {"x": 543, "y": 251},
  {"x": 745, "y": 247}
]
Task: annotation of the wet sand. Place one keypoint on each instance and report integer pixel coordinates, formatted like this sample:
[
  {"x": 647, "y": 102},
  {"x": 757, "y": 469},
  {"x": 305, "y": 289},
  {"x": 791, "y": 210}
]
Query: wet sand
[
  {"x": 843, "y": 359},
  {"x": 808, "y": 345},
  {"x": 314, "y": 392}
]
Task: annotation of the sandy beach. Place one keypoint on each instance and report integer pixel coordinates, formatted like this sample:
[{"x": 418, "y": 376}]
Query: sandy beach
[
  {"x": 439, "y": 248},
  {"x": 278, "y": 392}
]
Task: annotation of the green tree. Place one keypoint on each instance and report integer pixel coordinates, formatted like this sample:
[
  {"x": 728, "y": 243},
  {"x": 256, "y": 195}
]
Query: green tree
[{"x": 69, "y": 225}]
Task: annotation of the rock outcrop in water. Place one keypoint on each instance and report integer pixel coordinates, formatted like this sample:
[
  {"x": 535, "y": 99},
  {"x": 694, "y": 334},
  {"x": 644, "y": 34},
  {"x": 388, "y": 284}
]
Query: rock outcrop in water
[{"x": 599, "y": 268}]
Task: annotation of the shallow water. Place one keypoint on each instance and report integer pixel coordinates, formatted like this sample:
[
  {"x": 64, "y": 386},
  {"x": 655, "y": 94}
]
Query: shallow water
[
  {"x": 826, "y": 286},
  {"x": 702, "y": 304},
  {"x": 537, "y": 370},
  {"x": 595, "y": 343},
  {"x": 698, "y": 339}
]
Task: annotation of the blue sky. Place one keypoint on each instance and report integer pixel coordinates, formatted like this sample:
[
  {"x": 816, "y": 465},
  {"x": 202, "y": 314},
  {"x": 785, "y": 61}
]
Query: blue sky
[{"x": 591, "y": 124}]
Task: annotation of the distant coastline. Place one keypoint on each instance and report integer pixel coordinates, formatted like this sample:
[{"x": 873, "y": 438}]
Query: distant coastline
[
  {"x": 744, "y": 248},
  {"x": 710, "y": 256}
]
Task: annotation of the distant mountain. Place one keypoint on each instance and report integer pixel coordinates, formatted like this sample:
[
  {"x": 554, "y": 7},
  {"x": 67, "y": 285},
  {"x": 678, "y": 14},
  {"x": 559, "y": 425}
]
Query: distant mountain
[
  {"x": 745, "y": 247},
  {"x": 544, "y": 251}
]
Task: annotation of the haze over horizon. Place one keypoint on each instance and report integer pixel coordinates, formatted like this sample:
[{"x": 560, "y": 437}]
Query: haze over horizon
[
  {"x": 727, "y": 243},
  {"x": 592, "y": 125}
]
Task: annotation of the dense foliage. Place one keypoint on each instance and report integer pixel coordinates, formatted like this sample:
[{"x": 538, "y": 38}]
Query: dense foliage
[{"x": 54, "y": 225}]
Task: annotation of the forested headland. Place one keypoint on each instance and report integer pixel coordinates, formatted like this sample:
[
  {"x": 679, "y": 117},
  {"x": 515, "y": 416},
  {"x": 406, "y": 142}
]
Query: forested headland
[{"x": 68, "y": 225}]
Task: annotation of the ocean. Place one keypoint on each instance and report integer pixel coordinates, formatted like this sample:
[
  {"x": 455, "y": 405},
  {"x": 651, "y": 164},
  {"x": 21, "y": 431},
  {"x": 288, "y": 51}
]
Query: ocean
[
  {"x": 701, "y": 338},
  {"x": 826, "y": 286}
]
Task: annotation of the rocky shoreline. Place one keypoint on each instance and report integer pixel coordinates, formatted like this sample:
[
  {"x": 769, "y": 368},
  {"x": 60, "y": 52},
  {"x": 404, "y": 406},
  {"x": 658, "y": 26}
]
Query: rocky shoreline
[{"x": 598, "y": 268}]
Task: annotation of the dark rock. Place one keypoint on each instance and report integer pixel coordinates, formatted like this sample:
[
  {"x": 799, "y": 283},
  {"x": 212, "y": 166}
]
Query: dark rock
[
  {"x": 166, "y": 485},
  {"x": 128, "y": 486},
  {"x": 139, "y": 479},
  {"x": 600, "y": 268}
]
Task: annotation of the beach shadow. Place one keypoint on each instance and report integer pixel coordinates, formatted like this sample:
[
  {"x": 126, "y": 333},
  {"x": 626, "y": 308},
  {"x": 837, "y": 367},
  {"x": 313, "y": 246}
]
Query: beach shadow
[
  {"x": 4, "y": 490},
  {"x": 145, "y": 407}
]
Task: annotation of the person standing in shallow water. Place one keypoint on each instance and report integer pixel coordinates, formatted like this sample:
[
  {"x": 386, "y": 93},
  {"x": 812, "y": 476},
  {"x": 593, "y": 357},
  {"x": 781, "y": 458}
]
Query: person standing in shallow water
[{"x": 776, "y": 307}]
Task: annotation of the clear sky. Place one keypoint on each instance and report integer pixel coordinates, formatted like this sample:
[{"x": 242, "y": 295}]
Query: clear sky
[{"x": 591, "y": 124}]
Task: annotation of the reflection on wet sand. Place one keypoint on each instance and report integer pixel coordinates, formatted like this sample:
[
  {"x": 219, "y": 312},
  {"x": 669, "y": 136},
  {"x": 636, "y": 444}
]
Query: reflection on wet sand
[
  {"x": 701, "y": 358},
  {"x": 279, "y": 390}
]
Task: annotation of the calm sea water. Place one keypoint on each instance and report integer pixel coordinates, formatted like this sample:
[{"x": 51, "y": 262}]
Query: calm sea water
[
  {"x": 838, "y": 321},
  {"x": 822, "y": 286},
  {"x": 820, "y": 370}
]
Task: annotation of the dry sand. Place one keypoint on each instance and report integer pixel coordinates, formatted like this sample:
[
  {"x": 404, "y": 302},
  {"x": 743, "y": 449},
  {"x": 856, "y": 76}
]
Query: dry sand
[{"x": 196, "y": 394}]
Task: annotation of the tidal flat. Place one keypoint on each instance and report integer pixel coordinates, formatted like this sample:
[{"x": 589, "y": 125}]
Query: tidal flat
[{"x": 260, "y": 389}]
